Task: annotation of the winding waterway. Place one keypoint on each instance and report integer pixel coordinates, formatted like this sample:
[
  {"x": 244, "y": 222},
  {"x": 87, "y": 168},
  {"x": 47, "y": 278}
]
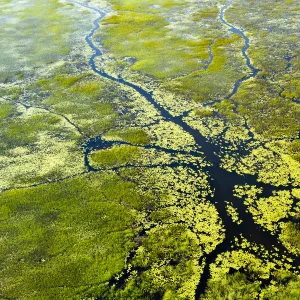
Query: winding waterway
[
  {"x": 222, "y": 181},
  {"x": 240, "y": 32}
]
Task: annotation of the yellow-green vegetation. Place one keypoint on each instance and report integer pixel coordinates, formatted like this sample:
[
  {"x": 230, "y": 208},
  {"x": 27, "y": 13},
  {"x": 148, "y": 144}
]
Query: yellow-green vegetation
[
  {"x": 146, "y": 37},
  {"x": 169, "y": 135},
  {"x": 204, "y": 113},
  {"x": 268, "y": 165},
  {"x": 207, "y": 13},
  {"x": 37, "y": 146},
  {"x": 6, "y": 109},
  {"x": 235, "y": 286},
  {"x": 288, "y": 287},
  {"x": 266, "y": 212},
  {"x": 209, "y": 126},
  {"x": 130, "y": 135},
  {"x": 215, "y": 81},
  {"x": 118, "y": 155},
  {"x": 233, "y": 213},
  {"x": 238, "y": 260},
  {"x": 26, "y": 128},
  {"x": 251, "y": 192},
  {"x": 225, "y": 109},
  {"x": 28, "y": 29},
  {"x": 268, "y": 114},
  {"x": 169, "y": 256},
  {"x": 64, "y": 239},
  {"x": 157, "y": 43},
  {"x": 182, "y": 229},
  {"x": 131, "y": 152},
  {"x": 239, "y": 274},
  {"x": 184, "y": 192},
  {"x": 266, "y": 99},
  {"x": 287, "y": 151},
  {"x": 238, "y": 286},
  {"x": 294, "y": 150},
  {"x": 290, "y": 236},
  {"x": 86, "y": 100}
]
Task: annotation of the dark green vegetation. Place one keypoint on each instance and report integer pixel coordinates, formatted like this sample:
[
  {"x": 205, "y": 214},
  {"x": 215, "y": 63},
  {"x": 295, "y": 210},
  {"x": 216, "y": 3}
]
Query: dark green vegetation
[{"x": 149, "y": 160}]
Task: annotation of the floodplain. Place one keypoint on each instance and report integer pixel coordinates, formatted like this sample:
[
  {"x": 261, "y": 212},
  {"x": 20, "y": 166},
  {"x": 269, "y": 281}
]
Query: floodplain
[{"x": 150, "y": 149}]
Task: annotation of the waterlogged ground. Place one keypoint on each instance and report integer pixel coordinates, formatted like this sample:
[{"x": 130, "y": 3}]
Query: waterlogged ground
[{"x": 150, "y": 149}]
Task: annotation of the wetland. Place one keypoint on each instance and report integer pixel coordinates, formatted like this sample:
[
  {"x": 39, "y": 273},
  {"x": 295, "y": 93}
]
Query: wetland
[{"x": 150, "y": 149}]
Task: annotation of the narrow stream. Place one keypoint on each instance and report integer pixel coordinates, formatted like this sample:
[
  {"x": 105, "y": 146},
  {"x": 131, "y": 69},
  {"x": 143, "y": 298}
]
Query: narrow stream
[
  {"x": 235, "y": 30},
  {"x": 221, "y": 180}
]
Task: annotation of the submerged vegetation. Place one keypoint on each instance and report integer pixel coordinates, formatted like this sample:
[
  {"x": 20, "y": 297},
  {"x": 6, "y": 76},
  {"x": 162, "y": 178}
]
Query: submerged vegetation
[{"x": 149, "y": 150}]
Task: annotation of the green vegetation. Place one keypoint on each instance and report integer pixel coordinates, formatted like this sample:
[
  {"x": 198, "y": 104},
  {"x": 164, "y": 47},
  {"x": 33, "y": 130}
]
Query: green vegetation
[
  {"x": 148, "y": 34},
  {"x": 238, "y": 286},
  {"x": 34, "y": 144},
  {"x": 169, "y": 258},
  {"x": 73, "y": 234},
  {"x": 215, "y": 81},
  {"x": 161, "y": 52},
  {"x": 290, "y": 236},
  {"x": 6, "y": 110},
  {"x": 203, "y": 113},
  {"x": 225, "y": 109},
  {"x": 266, "y": 99},
  {"x": 233, "y": 213},
  {"x": 235, "y": 286},
  {"x": 12, "y": 92},
  {"x": 138, "y": 219},
  {"x": 288, "y": 287},
  {"x": 86, "y": 100},
  {"x": 29, "y": 32},
  {"x": 207, "y": 13},
  {"x": 266, "y": 212},
  {"x": 130, "y": 135},
  {"x": 118, "y": 155},
  {"x": 270, "y": 115},
  {"x": 294, "y": 150},
  {"x": 27, "y": 130}
]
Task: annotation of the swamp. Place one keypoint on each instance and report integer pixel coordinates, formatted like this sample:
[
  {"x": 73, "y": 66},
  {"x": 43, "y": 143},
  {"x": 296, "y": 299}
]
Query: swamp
[{"x": 150, "y": 150}]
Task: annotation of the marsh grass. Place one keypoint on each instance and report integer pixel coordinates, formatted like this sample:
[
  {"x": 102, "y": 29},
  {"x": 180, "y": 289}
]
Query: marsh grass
[
  {"x": 130, "y": 135},
  {"x": 290, "y": 236},
  {"x": 215, "y": 81},
  {"x": 203, "y": 113},
  {"x": 148, "y": 40},
  {"x": 269, "y": 114},
  {"x": 235, "y": 286},
  {"x": 6, "y": 109},
  {"x": 25, "y": 131},
  {"x": 88, "y": 101},
  {"x": 33, "y": 30},
  {"x": 118, "y": 155},
  {"x": 72, "y": 234},
  {"x": 226, "y": 109}
]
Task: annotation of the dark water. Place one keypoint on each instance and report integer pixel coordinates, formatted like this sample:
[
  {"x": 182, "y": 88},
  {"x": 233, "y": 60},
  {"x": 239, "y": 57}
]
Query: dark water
[
  {"x": 288, "y": 59},
  {"x": 221, "y": 180}
]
